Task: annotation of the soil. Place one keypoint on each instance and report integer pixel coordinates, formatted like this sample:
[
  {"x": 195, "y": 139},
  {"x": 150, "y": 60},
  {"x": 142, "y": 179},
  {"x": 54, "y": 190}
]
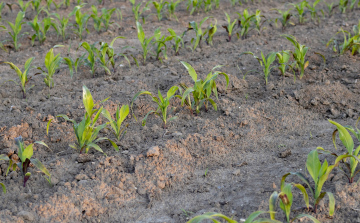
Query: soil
[{"x": 227, "y": 161}]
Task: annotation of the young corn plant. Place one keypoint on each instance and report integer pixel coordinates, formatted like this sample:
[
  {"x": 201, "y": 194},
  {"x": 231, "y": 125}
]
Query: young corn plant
[
  {"x": 258, "y": 21},
  {"x": 285, "y": 198},
  {"x": 299, "y": 54},
  {"x": 2, "y": 6},
  {"x": 90, "y": 61},
  {"x": 23, "y": 76},
  {"x": 244, "y": 22},
  {"x": 81, "y": 20},
  {"x": 25, "y": 154},
  {"x": 319, "y": 174},
  {"x": 285, "y": 18},
  {"x": 36, "y": 4},
  {"x": 159, "y": 7},
  {"x": 351, "y": 43},
  {"x": 314, "y": 11},
  {"x": 97, "y": 19},
  {"x": 178, "y": 40},
  {"x": 106, "y": 16},
  {"x": 343, "y": 4},
  {"x": 115, "y": 124},
  {"x": 208, "y": 4},
  {"x": 229, "y": 27},
  {"x": 202, "y": 89},
  {"x": 160, "y": 44},
  {"x": 171, "y": 7},
  {"x": 23, "y": 6},
  {"x": 300, "y": 8},
  {"x": 265, "y": 62},
  {"x": 211, "y": 30},
  {"x": 145, "y": 42},
  {"x": 195, "y": 5},
  {"x": 283, "y": 58},
  {"x": 52, "y": 63},
  {"x": 112, "y": 56},
  {"x": 352, "y": 159},
  {"x": 137, "y": 12},
  {"x": 330, "y": 7},
  {"x": 62, "y": 22},
  {"x": 162, "y": 102},
  {"x": 41, "y": 29},
  {"x": 199, "y": 33},
  {"x": 86, "y": 131},
  {"x": 16, "y": 29}
]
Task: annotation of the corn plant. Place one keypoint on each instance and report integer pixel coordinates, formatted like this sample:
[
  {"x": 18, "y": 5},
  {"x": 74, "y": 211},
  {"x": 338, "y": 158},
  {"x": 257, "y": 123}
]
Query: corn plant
[
  {"x": 211, "y": 30},
  {"x": 283, "y": 58},
  {"x": 160, "y": 44},
  {"x": 136, "y": 10},
  {"x": 162, "y": 102},
  {"x": 202, "y": 89},
  {"x": 111, "y": 54},
  {"x": 90, "y": 61},
  {"x": 265, "y": 62},
  {"x": 258, "y": 20},
  {"x": 97, "y": 19},
  {"x": 195, "y": 5},
  {"x": 171, "y": 6},
  {"x": 313, "y": 10},
  {"x": 36, "y": 4},
  {"x": 244, "y": 23},
  {"x": 86, "y": 131},
  {"x": 299, "y": 54},
  {"x": 352, "y": 157},
  {"x": 319, "y": 174},
  {"x": 66, "y": 3},
  {"x": 2, "y": 6},
  {"x": 23, "y": 6},
  {"x": 52, "y": 63},
  {"x": 81, "y": 20},
  {"x": 41, "y": 29},
  {"x": 145, "y": 42},
  {"x": 351, "y": 43},
  {"x": 353, "y": 3},
  {"x": 61, "y": 25},
  {"x": 285, "y": 198},
  {"x": 343, "y": 4},
  {"x": 199, "y": 33},
  {"x": 330, "y": 8},
  {"x": 159, "y": 7},
  {"x": 73, "y": 64},
  {"x": 213, "y": 217},
  {"x": 115, "y": 124},
  {"x": 229, "y": 27},
  {"x": 16, "y": 29},
  {"x": 49, "y": 2},
  {"x": 106, "y": 16},
  {"x": 178, "y": 40},
  {"x": 300, "y": 8},
  {"x": 25, "y": 154},
  {"x": 285, "y": 17},
  {"x": 23, "y": 76},
  {"x": 208, "y": 5}
]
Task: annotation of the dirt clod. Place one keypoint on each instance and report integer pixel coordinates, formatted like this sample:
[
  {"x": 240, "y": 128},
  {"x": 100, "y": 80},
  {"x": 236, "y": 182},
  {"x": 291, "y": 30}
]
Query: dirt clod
[{"x": 153, "y": 151}]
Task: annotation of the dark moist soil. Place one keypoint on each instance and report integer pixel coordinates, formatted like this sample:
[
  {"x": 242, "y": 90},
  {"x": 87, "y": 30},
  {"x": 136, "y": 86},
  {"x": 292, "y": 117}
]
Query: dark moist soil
[{"x": 257, "y": 134}]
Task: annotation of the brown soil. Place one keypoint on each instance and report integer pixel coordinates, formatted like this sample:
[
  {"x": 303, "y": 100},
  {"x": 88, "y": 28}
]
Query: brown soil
[{"x": 258, "y": 133}]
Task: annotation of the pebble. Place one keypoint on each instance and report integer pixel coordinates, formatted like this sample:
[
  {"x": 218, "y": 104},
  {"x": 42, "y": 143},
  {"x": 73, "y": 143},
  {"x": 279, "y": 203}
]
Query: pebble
[
  {"x": 26, "y": 215},
  {"x": 81, "y": 177},
  {"x": 236, "y": 172},
  {"x": 153, "y": 151}
]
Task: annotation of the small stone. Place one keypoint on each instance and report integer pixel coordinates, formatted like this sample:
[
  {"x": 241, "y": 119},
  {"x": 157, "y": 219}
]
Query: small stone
[
  {"x": 81, "y": 177},
  {"x": 153, "y": 151},
  {"x": 236, "y": 172},
  {"x": 161, "y": 184},
  {"x": 270, "y": 86},
  {"x": 26, "y": 215},
  {"x": 327, "y": 82},
  {"x": 83, "y": 158},
  {"x": 284, "y": 154},
  {"x": 335, "y": 112},
  {"x": 54, "y": 180},
  {"x": 315, "y": 101},
  {"x": 175, "y": 134},
  {"x": 82, "y": 182}
]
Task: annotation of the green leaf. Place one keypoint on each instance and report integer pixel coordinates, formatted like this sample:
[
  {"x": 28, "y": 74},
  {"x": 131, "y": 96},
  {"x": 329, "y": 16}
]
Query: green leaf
[
  {"x": 4, "y": 157},
  {"x": 28, "y": 152},
  {"x": 40, "y": 166},
  {"x": 306, "y": 216},
  {"x": 3, "y": 187},
  {"x": 191, "y": 70},
  {"x": 210, "y": 216},
  {"x": 313, "y": 165},
  {"x": 272, "y": 204},
  {"x": 88, "y": 100},
  {"x": 344, "y": 136}
]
